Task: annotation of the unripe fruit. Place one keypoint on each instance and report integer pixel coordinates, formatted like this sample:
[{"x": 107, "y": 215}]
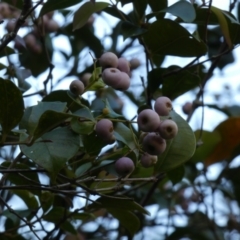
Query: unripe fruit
[
  {"x": 124, "y": 166},
  {"x": 187, "y": 107},
  {"x": 148, "y": 160},
  {"x": 168, "y": 129},
  {"x": 154, "y": 144},
  {"x": 104, "y": 130},
  {"x": 116, "y": 79},
  {"x": 148, "y": 120},
  {"x": 108, "y": 59},
  {"x": 10, "y": 25},
  {"x": 30, "y": 40},
  {"x": 76, "y": 87},
  {"x": 124, "y": 66},
  {"x": 134, "y": 63},
  {"x": 85, "y": 78},
  {"x": 5, "y": 10},
  {"x": 163, "y": 106},
  {"x": 51, "y": 25}
]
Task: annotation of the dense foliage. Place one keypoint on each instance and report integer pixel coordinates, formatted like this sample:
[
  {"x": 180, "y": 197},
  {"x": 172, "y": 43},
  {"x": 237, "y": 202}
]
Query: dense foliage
[{"x": 73, "y": 166}]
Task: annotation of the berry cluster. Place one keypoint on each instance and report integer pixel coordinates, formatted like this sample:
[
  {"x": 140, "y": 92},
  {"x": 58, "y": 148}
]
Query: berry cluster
[
  {"x": 116, "y": 74},
  {"x": 116, "y": 71}
]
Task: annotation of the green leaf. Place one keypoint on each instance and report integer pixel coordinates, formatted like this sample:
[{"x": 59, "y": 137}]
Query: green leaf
[
  {"x": 53, "y": 149},
  {"x": 177, "y": 82},
  {"x": 68, "y": 227},
  {"x": 176, "y": 175},
  {"x": 166, "y": 37},
  {"x": 48, "y": 120},
  {"x": 93, "y": 144},
  {"x": 84, "y": 113},
  {"x": 7, "y": 51},
  {"x": 118, "y": 204},
  {"x": 82, "y": 126},
  {"x": 95, "y": 81},
  {"x": 85, "y": 11},
  {"x": 182, "y": 9},
  {"x": 180, "y": 149},
  {"x": 209, "y": 140},
  {"x": 11, "y": 106},
  {"x": 123, "y": 134},
  {"x": 52, "y": 5},
  {"x": 129, "y": 29},
  {"x": 32, "y": 115},
  {"x": 157, "y": 6},
  {"x": 55, "y": 214},
  {"x": 223, "y": 24},
  {"x": 127, "y": 219},
  {"x": 28, "y": 198},
  {"x": 62, "y": 96}
]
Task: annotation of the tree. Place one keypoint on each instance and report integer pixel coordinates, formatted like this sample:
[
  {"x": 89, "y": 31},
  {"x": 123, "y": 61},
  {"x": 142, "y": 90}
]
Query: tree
[{"x": 81, "y": 168}]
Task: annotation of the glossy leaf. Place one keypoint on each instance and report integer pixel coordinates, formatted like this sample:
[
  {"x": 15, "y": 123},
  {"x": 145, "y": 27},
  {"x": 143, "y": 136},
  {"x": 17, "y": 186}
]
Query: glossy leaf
[
  {"x": 52, "y": 5},
  {"x": 166, "y": 37},
  {"x": 11, "y": 106},
  {"x": 33, "y": 114},
  {"x": 183, "y": 10},
  {"x": 53, "y": 149},
  {"x": 82, "y": 126},
  {"x": 126, "y": 135},
  {"x": 229, "y": 132},
  {"x": 180, "y": 149},
  {"x": 223, "y": 24},
  {"x": 95, "y": 82},
  {"x": 127, "y": 219},
  {"x": 85, "y": 11}
]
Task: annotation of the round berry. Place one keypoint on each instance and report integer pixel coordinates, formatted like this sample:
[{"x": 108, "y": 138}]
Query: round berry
[
  {"x": 163, "y": 106},
  {"x": 124, "y": 166}
]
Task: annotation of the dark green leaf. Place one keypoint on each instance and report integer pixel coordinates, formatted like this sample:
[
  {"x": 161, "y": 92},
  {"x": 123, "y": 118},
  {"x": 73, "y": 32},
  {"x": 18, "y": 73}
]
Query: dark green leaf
[
  {"x": 127, "y": 219},
  {"x": 32, "y": 115},
  {"x": 28, "y": 198},
  {"x": 52, "y": 5},
  {"x": 62, "y": 96},
  {"x": 166, "y": 37},
  {"x": 180, "y": 149},
  {"x": 118, "y": 204},
  {"x": 55, "y": 214},
  {"x": 128, "y": 29},
  {"x": 53, "y": 149},
  {"x": 7, "y": 51},
  {"x": 157, "y": 6},
  {"x": 68, "y": 227},
  {"x": 11, "y": 106},
  {"x": 85, "y": 11},
  {"x": 140, "y": 7},
  {"x": 82, "y": 126},
  {"x": 177, "y": 174},
  {"x": 48, "y": 120},
  {"x": 124, "y": 134}
]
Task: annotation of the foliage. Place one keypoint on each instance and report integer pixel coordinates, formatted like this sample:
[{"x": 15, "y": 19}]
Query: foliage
[{"x": 50, "y": 155}]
